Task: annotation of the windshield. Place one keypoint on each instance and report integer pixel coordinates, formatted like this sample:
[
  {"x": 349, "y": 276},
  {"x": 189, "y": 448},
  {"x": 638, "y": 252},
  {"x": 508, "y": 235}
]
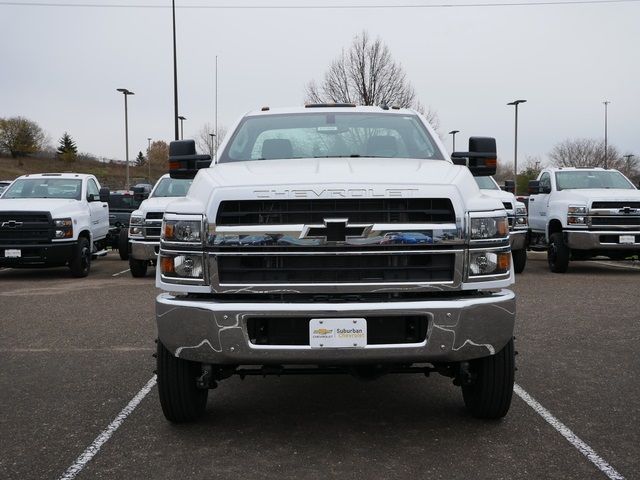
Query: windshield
[
  {"x": 592, "y": 179},
  {"x": 45, "y": 188},
  {"x": 319, "y": 135},
  {"x": 486, "y": 183},
  {"x": 172, "y": 187}
]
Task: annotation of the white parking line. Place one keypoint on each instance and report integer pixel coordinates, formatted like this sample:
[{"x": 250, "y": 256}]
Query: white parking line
[
  {"x": 571, "y": 437},
  {"x": 120, "y": 273},
  {"x": 106, "y": 434}
]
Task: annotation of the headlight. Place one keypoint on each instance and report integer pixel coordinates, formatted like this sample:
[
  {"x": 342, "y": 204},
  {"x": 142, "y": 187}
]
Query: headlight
[
  {"x": 186, "y": 266},
  {"x": 577, "y": 210},
  {"x": 182, "y": 231},
  {"x": 576, "y": 215},
  {"x": 136, "y": 220},
  {"x": 489, "y": 263},
  {"x": 484, "y": 228},
  {"x": 64, "y": 228},
  {"x": 521, "y": 211}
]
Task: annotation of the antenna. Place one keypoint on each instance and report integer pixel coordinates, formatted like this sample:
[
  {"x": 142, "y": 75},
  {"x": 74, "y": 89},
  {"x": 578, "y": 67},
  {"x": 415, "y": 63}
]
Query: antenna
[{"x": 216, "y": 110}]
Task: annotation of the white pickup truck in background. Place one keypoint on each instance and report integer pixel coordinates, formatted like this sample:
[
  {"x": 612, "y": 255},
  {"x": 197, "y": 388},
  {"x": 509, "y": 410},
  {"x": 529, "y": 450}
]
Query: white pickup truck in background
[
  {"x": 52, "y": 220},
  {"x": 145, "y": 223},
  {"x": 517, "y": 214},
  {"x": 581, "y": 213}
]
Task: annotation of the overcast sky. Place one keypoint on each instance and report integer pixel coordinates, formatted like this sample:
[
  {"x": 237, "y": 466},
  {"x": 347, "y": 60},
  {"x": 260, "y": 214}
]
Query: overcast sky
[{"x": 61, "y": 66}]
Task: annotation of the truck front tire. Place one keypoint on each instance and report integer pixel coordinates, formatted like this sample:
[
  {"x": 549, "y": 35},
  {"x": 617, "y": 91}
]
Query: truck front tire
[
  {"x": 123, "y": 244},
  {"x": 489, "y": 395},
  {"x": 181, "y": 400},
  {"x": 80, "y": 264},
  {"x": 138, "y": 267},
  {"x": 519, "y": 260},
  {"x": 558, "y": 254}
]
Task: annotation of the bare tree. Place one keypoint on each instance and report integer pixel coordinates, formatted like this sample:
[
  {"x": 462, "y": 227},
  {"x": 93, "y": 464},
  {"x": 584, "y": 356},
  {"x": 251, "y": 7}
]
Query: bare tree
[
  {"x": 205, "y": 142},
  {"x": 159, "y": 154},
  {"x": 584, "y": 152},
  {"x": 366, "y": 74}
]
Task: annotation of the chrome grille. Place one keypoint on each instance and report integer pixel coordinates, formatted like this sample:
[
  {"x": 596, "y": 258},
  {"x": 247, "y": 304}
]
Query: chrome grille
[{"x": 153, "y": 225}]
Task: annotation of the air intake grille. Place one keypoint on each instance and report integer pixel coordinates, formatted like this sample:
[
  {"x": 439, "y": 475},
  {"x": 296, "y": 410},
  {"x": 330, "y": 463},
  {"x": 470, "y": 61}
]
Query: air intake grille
[
  {"x": 362, "y": 210},
  {"x": 25, "y": 228},
  {"x": 615, "y": 204},
  {"x": 317, "y": 269}
]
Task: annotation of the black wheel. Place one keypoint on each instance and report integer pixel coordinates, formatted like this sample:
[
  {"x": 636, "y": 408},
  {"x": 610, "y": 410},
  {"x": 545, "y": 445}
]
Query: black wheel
[
  {"x": 138, "y": 267},
  {"x": 180, "y": 399},
  {"x": 519, "y": 260},
  {"x": 489, "y": 396},
  {"x": 123, "y": 244},
  {"x": 558, "y": 253},
  {"x": 80, "y": 264}
]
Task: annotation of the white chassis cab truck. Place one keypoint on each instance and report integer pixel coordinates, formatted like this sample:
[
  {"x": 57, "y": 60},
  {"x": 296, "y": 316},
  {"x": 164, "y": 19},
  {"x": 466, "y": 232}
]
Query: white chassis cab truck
[
  {"x": 581, "y": 213},
  {"x": 145, "y": 223},
  {"x": 518, "y": 222},
  {"x": 334, "y": 239},
  {"x": 52, "y": 220}
]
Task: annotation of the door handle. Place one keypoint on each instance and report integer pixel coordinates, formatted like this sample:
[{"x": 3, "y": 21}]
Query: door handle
[
  {"x": 104, "y": 206},
  {"x": 532, "y": 199}
]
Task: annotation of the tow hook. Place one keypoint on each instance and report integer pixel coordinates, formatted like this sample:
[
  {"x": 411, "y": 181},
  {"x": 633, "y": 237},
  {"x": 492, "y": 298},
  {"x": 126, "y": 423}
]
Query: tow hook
[
  {"x": 464, "y": 376},
  {"x": 206, "y": 381}
]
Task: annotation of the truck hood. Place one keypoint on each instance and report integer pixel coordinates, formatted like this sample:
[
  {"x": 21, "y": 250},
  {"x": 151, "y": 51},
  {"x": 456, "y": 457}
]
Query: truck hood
[
  {"x": 58, "y": 207},
  {"x": 328, "y": 171},
  {"x": 156, "y": 204},
  {"x": 599, "y": 195},
  {"x": 333, "y": 178},
  {"x": 500, "y": 195}
]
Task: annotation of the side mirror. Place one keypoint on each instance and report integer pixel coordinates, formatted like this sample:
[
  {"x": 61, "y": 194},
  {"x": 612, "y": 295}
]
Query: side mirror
[
  {"x": 140, "y": 193},
  {"x": 183, "y": 161},
  {"x": 534, "y": 187},
  {"x": 104, "y": 195},
  {"x": 509, "y": 186},
  {"x": 481, "y": 157}
]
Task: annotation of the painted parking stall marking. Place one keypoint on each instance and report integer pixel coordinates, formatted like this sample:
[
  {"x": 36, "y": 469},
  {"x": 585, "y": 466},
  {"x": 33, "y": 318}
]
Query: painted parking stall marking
[
  {"x": 566, "y": 432},
  {"x": 106, "y": 434}
]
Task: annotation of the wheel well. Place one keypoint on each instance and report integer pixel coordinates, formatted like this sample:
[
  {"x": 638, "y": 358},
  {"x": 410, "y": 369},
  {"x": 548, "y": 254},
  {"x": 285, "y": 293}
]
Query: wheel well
[
  {"x": 554, "y": 227},
  {"x": 86, "y": 234}
]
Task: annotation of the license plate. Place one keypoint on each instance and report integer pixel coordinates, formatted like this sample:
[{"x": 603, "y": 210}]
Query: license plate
[
  {"x": 12, "y": 253},
  {"x": 337, "y": 332},
  {"x": 627, "y": 239}
]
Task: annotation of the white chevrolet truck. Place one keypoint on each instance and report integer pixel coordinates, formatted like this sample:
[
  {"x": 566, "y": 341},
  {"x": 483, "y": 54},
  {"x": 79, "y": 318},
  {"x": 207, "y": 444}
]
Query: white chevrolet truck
[
  {"x": 581, "y": 213},
  {"x": 334, "y": 239},
  {"x": 145, "y": 223},
  {"x": 52, "y": 220},
  {"x": 518, "y": 222}
]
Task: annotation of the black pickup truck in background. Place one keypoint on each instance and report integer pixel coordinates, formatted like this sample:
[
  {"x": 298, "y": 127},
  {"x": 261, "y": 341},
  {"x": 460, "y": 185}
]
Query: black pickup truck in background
[{"x": 121, "y": 204}]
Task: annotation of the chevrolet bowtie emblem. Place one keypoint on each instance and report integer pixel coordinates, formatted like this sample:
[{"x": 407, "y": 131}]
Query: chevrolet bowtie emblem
[
  {"x": 628, "y": 210},
  {"x": 11, "y": 224},
  {"x": 335, "y": 230}
]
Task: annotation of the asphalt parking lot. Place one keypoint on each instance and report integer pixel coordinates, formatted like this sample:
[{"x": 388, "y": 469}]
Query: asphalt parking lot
[{"x": 75, "y": 352}]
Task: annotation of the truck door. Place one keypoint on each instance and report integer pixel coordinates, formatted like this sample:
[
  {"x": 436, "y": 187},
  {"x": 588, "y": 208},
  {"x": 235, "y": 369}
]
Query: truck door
[
  {"x": 538, "y": 204},
  {"x": 98, "y": 211}
]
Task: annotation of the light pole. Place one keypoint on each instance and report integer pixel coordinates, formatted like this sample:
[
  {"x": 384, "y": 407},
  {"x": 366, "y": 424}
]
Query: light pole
[
  {"x": 515, "y": 103},
  {"x": 453, "y": 134},
  {"x": 126, "y": 93},
  {"x": 175, "y": 71},
  {"x": 212, "y": 135},
  {"x": 606, "y": 146},
  {"x": 149, "y": 159},
  {"x": 182, "y": 119}
]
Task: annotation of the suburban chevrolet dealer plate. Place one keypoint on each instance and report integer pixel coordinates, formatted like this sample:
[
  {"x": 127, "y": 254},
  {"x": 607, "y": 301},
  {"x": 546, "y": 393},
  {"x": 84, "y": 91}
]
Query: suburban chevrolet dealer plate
[
  {"x": 12, "y": 253},
  {"x": 337, "y": 332},
  {"x": 627, "y": 238}
]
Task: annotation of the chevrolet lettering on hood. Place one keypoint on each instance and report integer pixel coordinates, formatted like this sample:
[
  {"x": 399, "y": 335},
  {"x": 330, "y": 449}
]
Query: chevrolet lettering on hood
[{"x": 337, "y": 193}]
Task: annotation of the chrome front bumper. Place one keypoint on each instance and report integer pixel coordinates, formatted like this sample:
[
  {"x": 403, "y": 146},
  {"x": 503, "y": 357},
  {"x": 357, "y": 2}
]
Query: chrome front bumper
[
  {"x": 141, "y": 250},
  {"x": 216, "y": 332},
  {"x": 593, "y": 240},
  {"x": 518, "y": 239}
]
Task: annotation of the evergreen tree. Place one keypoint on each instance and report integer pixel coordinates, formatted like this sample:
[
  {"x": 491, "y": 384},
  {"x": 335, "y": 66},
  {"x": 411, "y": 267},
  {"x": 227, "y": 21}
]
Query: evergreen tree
[
  {"x": 140, "y": 160},
  {"x": 67, "y": 150}
]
